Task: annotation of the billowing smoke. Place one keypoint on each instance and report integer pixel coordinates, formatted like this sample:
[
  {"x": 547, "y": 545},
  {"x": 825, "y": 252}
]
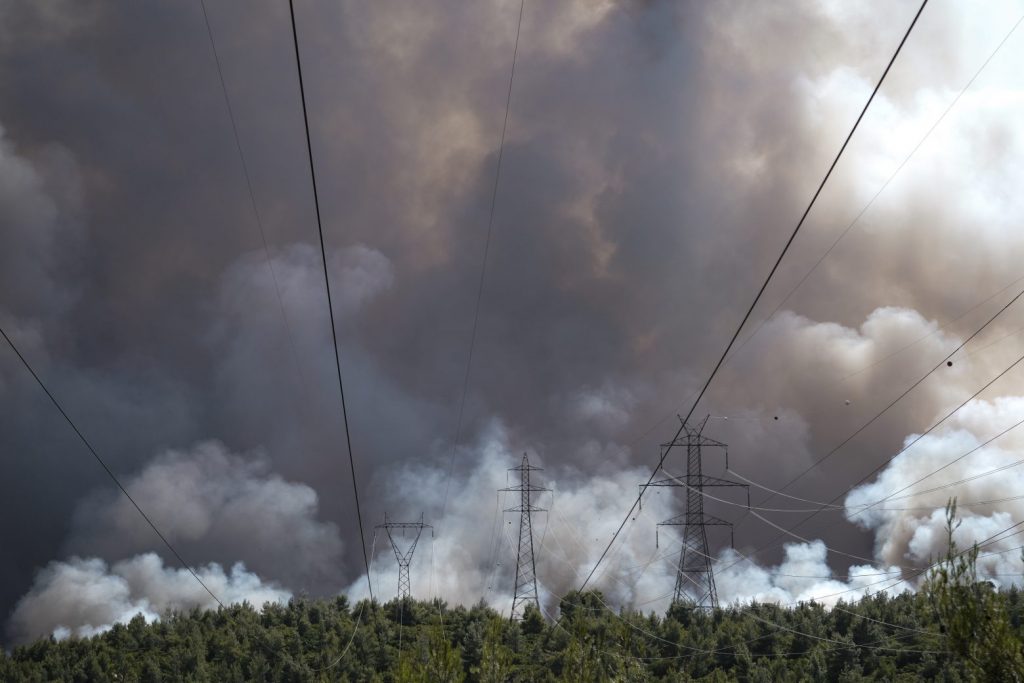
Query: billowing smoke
[
  {"x": 83, "y": 597},
  {"x": 471, "y": 554},
  {"x": 802, "y": 576},
  {"x": 904, "y": 505},
  {"x": 215, "y": 505},
  {"x": 40, "y": 202},
  {"x": 657, "y": 155}
]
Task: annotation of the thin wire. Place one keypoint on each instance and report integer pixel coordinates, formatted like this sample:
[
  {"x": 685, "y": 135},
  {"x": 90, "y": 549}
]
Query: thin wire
[
  {"x": 822, "y": 507},
  {"x": 936, "y": 331},
  {"x": 884, "y": 185},
  {"x": 483, "y": 269},
  {"x": 255, "y": 210},
  {"x": 934, "y": 472},
  {"x": 131, "y": 500},
  {"x": 697, "y": 650},
  {"x": 107, "y": 469},
  {"x": 851, "y": 225},
  {"x": 899, "y": 398},
  {"x": 898, "y": 351},
  {"x": 894, "y": 496},
  {"x": 330, "y": 305},
  {"x": 802, "y": 539},
  {"x": 764, "y": 286},
  {"x": 910, "y": 445},
  {"x": 980, "y": 475},
  {"x": 495, "y": 546},
  {"x": 355, "y": 621},
  {"x": 922, "y": 435}
]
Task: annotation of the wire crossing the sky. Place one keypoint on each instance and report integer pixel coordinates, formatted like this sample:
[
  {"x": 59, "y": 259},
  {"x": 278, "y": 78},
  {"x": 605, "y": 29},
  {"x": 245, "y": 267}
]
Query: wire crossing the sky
[
  {"x": 897, "y": 399},
  {"x": 761, "y": 291},
  {"x": 881, "y": 189},
  {"x": 791, "y": 530},
  {"x": 252, "y": 201},
  {"x": 107, "y": 469},
  {"x": 483, "y": 266},
  {"x": 330, "y": 304}
]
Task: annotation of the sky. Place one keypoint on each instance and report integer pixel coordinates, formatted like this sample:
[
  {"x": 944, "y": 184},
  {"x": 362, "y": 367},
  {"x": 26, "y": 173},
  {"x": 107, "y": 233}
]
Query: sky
[{"x": 657, "y": 157}]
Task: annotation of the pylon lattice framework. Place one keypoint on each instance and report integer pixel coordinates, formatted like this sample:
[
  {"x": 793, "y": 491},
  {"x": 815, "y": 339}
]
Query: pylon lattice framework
[
  {"x": 695, "y": 579},
  {"x": 526, "y": 567},
  {"x": 404, "y": 557}
]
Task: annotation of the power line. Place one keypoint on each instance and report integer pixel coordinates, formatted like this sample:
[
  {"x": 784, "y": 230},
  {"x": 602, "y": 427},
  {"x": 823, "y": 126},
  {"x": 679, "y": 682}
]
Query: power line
[
  {"x": 252, "y": 199},
  {"x": 924, "y": 434},
  {"x": 107, "y": 469},
  {"x": 975, "y": 306},
  {"x": 694, "y": 650},
  {"x": 764, "y": 286},
  {"x": 829, "y": 505},
  {"x": 790, "y": 530},
  {"x": 935, "y": 331},
  {"x": 330, "y": 304},
  {"x": 893, "y": 496},
  {"x": 896, "y": 400},
  {"x": 483, "y": 268},
  {"x": 857, "y": 509},
  {"x": 893, "y": 175},
  {"x": 856, "y": 219},
  {"x": 936, "y": 471}
]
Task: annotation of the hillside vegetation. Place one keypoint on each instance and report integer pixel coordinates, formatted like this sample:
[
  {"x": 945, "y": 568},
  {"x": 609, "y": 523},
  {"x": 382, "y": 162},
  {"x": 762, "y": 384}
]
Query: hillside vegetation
[
  {"x": 956, "y": 628},
  {"x": 316, "y": 640}
]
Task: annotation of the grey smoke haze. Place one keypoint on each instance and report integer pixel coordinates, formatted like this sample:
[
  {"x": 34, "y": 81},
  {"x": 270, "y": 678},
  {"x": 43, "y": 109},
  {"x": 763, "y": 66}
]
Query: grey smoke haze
[{"x": 658, "y": 154}]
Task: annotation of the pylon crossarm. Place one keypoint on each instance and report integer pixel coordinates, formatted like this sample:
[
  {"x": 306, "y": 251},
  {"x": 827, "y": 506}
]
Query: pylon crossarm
[
  {"x": 404, "y": 558},
  {"x": 702, "y": 441},
  {"x": 529, "y": 508}
]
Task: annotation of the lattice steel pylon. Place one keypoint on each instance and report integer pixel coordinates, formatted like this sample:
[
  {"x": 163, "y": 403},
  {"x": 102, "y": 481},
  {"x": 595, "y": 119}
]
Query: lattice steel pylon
[
  {"x": 404, "y": 557},
  {"x": 695, "y": 579},
  {"x": 526, "y": 567}
]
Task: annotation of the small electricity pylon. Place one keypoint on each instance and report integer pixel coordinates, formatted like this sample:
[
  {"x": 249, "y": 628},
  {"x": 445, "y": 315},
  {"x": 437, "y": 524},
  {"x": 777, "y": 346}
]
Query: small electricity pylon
[
  {"x": 526, "y": 567},
  {"x": 404, "y": 557},
  {"x": 694, "y": 570}
]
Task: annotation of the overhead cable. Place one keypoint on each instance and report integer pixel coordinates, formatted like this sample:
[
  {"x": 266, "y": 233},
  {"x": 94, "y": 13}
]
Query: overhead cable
[
  {"x": 483, "y": 268},
  {"x": 330, "y": 304},
  {"x": 106, "y": 468},
  {"x": 760, "y": 292}
]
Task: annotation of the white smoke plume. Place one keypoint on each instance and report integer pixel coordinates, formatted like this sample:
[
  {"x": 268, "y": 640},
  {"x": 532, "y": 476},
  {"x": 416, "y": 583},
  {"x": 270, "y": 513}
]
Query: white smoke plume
[
  {"x": 639, "y": 205},
  {"x": 83, "y": 596},
  {"x": 471, "y": 554},
  {"x": 905, "y": 505},
  {"x": 568, "y": 538},
  {"x": 213, "y": 504},
  {"x": 802, "y": 576}
]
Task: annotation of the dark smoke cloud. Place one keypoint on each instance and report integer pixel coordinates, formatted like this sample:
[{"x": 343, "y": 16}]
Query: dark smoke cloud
[{"x": 657, "y": 156}]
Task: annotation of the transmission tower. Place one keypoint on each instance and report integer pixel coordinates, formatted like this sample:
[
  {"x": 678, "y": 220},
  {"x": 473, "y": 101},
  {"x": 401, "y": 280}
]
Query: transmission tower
[
  {"x": 404, "y": 557},
  {"x": 526, "y": 567},
  {"x": 695, "y": 580}
]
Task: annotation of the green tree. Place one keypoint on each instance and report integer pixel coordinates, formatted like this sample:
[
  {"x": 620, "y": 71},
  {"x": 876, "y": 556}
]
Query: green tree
[
  {"x": 497, "y": 660},
  {"x": 973, "y": 615}
]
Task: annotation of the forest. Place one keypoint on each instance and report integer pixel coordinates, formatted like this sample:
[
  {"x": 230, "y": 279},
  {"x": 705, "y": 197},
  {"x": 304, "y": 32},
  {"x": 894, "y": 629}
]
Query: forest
[{"x": 955, "y": 629}]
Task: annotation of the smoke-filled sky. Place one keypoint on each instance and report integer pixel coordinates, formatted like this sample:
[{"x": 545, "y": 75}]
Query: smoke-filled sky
[{"x": 657, "y": 157}]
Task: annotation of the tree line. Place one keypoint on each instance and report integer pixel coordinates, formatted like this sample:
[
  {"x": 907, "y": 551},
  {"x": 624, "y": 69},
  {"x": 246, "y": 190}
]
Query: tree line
[{"x": 955, "y": 628}]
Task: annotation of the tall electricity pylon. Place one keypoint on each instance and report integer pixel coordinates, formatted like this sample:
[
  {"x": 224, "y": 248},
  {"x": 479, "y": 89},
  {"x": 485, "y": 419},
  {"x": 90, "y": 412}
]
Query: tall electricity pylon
[
  {"x": 404, "y": 557},
  {"x": 695, "y": 580},
  {"x": 526, "y": 567}
]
